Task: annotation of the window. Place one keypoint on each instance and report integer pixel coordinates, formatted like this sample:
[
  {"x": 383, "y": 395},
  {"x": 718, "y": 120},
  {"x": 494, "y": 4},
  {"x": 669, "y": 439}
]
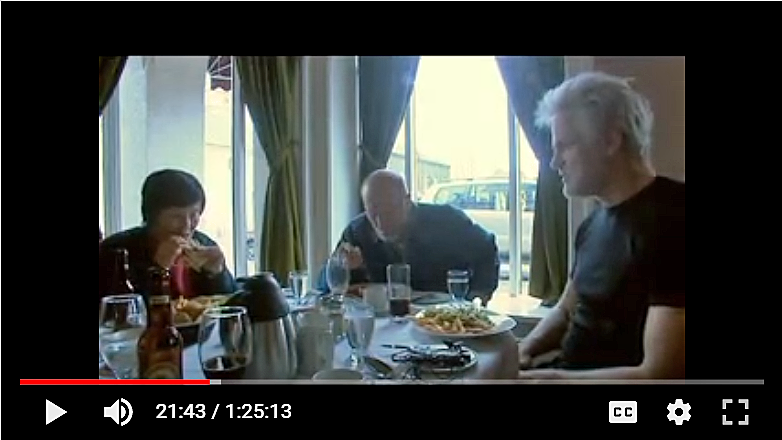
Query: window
[
  {"x": 456, "y": 146},
  {"x": 217, "y": 221},
  {"x": 251, "y": 145},
  {"x": 101, "y": 202}
]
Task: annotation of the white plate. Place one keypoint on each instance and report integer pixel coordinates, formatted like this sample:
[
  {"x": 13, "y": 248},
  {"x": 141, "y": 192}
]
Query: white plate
[{"x": 502, "y": 324}]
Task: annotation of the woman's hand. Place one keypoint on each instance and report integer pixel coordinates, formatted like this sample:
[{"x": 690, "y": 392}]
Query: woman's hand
[
  {"x": 168, "y": 250},
  {"x": 214, "y": 260},
  {"x": 206, "y": 258}
]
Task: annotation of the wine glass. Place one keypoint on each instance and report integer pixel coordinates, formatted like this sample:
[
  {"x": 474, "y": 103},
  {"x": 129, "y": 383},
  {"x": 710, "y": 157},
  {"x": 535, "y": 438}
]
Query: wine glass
[
  {"x": 360, "y": 318},
  {"x": 122, "y": 320},
  {"x": 225, "y": 342},
  {"x": 338, "y": 274}
]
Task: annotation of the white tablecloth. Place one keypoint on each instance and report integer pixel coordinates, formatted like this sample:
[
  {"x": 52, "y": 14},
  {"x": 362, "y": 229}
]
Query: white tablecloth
[{"x": 498, "y": 356}]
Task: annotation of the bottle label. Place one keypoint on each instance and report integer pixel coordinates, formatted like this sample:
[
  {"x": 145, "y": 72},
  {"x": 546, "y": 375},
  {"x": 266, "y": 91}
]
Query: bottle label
[{"x": 163, "y": 370}]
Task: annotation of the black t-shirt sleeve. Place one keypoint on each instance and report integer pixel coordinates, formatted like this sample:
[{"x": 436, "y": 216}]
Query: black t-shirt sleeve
[{"x": 667, "y": 284}]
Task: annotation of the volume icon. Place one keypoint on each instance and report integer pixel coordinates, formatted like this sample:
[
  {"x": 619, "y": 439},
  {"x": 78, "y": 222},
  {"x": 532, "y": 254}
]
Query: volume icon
[{"x": 120, "y": 411}]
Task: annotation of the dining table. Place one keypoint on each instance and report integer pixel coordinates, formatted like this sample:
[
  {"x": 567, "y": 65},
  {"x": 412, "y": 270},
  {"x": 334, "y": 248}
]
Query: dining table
[{"x": 497, "y": 355}]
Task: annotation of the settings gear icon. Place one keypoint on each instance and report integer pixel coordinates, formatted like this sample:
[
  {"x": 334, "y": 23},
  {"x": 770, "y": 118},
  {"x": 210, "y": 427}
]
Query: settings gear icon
[{"x": 680, "y": 405}]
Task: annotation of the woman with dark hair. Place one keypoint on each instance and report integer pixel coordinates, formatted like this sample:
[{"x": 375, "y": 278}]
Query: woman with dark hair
[{"x": 172, "y": 202}]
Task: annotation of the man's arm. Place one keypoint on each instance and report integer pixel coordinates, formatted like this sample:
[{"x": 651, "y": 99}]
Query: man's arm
[
  {"x": 358, "y": 275},
  {"x": 548, "y": 333},
  {"x": 663, "y": 352},
  {"x": 485, "y": 265}
]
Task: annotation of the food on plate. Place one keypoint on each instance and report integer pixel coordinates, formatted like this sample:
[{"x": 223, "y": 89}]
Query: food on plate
[
  {"x": 189, "y": 310},
  {"x": 455, "y": 320}
]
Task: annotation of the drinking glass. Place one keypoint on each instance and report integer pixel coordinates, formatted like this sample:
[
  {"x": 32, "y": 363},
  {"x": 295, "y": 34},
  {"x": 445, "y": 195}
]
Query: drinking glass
[
  {"x": 399, "y": 292},
  {"x": 360, "y": 319},
  {"x": 338, "y": 274},
  {"x": 225, "y": 342},
  {"x": 298, "y": 281},
  {"x": 333, "y": 307},
  {"x": 122, "y": 320},
  {"x": 459, "y": 284}
]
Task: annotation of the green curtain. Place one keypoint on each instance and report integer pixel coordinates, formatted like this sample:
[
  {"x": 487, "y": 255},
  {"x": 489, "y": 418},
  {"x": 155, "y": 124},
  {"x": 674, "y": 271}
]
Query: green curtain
[
  {"x": 548, "y": 268},
  {"x": 271, "y": 92},
  {"x": 385, "y": 84},
  {"x": 526, "y": 80},
  {"x": 109, "y": 72}
]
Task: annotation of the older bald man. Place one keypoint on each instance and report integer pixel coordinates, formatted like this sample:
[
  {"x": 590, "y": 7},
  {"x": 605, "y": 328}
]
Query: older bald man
[{"x": 432, "y": 239}]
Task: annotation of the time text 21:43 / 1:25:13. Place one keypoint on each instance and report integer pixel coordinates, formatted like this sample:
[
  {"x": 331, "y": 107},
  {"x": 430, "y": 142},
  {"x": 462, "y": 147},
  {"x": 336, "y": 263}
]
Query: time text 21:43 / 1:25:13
[{"x": 231, "y": 411}]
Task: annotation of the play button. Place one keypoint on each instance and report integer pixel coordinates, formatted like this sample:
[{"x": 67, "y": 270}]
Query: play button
[{"x": 53, "y": 412}]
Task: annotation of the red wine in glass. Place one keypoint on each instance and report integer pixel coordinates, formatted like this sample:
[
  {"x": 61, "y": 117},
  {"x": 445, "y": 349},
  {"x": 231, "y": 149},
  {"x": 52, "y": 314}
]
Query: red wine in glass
[
  {"x": 399, "y": 307},
  {"x": 225, "y": 367}
]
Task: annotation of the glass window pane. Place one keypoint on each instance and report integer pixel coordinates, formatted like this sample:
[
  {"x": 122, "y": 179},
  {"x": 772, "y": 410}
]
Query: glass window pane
[
  {"x": 217, "y": 221},
  {"x": 397, "y": 160},
  {"x": 101, "y": 202},
  {"x": 461, "y": 141},
  {"x": 253, "y": 233}
]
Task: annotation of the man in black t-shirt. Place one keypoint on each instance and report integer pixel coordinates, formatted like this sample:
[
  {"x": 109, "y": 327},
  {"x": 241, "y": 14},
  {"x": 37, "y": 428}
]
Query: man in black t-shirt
[{"x": 621, "y": 315}]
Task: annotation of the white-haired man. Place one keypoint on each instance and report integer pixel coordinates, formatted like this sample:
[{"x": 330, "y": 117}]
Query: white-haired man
[{"x": 621, "y": 315}]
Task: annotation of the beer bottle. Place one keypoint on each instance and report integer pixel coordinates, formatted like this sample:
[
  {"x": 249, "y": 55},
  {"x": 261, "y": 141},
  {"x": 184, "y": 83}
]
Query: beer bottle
[
  {"x": 160, "y": 346},
  {"x": 121, "y": 284}
]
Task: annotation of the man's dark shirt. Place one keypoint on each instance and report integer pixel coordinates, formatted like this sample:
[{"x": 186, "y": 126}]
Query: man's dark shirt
[
  {"x": 439, "y": 238},
  {"x": 141, "y": 258},
  {"x": 627, "y": 258}
]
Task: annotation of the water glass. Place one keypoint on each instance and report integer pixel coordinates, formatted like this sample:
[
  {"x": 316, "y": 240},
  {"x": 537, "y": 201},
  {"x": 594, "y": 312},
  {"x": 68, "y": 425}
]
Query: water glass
[
  {"x": 298, "y": 281},
  {"x": 122, "y": 320},
  {"x": 399, "y": 291},
  {"x": 338, "y": 274},
  {"x": 360, "y": 319},
  {"x": 459, "y": 284}
]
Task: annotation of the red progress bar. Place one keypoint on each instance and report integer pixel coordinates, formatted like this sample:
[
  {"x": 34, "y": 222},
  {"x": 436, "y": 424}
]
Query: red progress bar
[{"x": 114, "y": 381}]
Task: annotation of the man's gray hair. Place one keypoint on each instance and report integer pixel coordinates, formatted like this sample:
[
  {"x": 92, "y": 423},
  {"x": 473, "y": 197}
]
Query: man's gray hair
[{"x": 602, "y": 102}]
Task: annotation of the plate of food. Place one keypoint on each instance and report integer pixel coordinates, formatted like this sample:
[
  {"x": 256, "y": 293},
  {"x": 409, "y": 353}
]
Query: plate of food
[
  {"x": 188, "y": 313},
  {"x": 460, "y": 321}
]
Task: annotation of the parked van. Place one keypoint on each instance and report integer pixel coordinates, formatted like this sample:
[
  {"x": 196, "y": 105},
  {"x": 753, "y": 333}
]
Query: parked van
[{"x": 486, "y": 201}]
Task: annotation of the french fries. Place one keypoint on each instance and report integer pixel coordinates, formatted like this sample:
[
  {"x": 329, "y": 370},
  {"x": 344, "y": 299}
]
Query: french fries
[
  {"x": 189, "y": 311},
  {"x": 455, "y": 320}
]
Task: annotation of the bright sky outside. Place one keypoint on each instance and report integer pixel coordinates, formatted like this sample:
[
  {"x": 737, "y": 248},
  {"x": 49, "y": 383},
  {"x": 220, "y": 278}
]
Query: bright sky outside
[{"x": 461, "y": 117}]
